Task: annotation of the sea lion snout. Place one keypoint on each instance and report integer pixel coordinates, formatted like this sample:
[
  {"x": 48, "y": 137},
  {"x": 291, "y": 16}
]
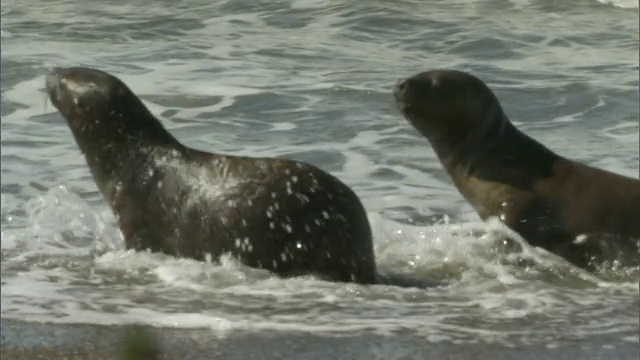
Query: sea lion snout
[
  {"x": 53, "y": 84},
  {"x": 411, "y": 90},
  {"x": 398, "y": 90},
  {"x": 75, "y": 82},
  {"x": 52, "y": 80},
  {"x": 400, "y": 93}
]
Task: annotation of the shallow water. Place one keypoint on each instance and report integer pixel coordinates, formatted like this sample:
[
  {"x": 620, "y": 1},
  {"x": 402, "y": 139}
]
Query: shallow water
[{"x": 311, "y": 80}]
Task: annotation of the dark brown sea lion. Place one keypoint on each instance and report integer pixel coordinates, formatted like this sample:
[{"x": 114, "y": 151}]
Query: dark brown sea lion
[
  {"x": 584, "y": 214},
  {"x": 285, "y": 216}
]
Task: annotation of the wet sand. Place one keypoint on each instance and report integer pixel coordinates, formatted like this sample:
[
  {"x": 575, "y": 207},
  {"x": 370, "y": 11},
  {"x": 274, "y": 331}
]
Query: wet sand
[{"x": 31, "y": 340}]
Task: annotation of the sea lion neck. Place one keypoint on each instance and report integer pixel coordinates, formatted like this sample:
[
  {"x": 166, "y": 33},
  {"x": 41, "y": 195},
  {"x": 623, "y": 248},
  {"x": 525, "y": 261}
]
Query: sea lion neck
[
  {"x": 120, "y": 134},
  {"x": 499, "y": 153},
  {"x": 459, "y": 138},
  {"x": 127, "y": 124},
  {"x": 114, "y": 157}
]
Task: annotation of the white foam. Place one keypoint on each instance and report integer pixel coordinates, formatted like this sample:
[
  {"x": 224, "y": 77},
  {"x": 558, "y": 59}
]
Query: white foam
[
  {"x": 624, "y": 4},
  {"x": 232, "y": 297}
]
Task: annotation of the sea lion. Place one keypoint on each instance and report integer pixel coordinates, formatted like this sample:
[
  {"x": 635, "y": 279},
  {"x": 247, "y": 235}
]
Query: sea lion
[
  {"x": 285, "y": 216},
  {"x": 583, "y": 214}
]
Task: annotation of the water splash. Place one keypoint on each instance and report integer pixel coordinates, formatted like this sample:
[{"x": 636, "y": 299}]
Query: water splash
[{"x": 83, "y": 274}]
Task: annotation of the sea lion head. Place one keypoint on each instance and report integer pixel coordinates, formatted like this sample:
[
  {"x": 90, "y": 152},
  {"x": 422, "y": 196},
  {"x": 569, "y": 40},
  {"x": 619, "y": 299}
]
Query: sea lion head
[
  {"x": 99, "y": 106},
  {"x": 87, "y": 94},
  {"x": 448, "y": 106}
]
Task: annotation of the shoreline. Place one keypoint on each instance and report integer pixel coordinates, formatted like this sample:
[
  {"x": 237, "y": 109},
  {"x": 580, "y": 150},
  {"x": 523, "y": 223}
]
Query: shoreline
[{"x": 34, "y": 340}]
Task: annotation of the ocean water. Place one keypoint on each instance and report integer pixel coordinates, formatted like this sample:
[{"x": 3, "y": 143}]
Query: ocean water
[{"x": 311, "y": 80}]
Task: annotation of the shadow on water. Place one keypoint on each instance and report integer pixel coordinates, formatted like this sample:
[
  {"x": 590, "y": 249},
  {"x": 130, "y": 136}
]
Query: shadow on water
[{"x": 139, "y": 343}]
